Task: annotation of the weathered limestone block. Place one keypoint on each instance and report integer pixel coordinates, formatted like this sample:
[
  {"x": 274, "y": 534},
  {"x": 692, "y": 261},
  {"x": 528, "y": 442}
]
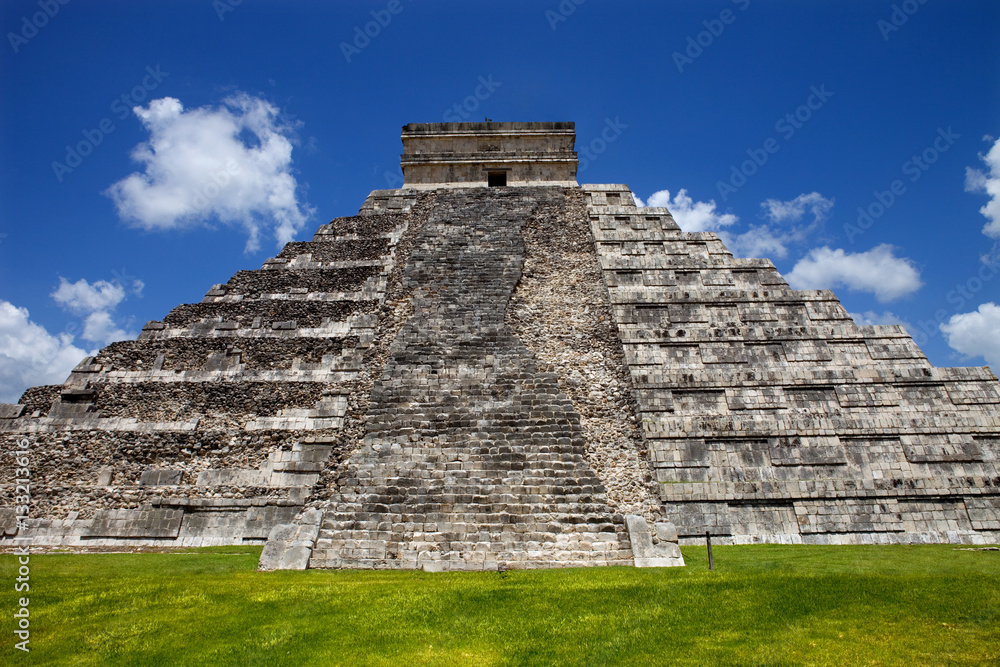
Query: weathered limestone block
[
  {"x": 8, "y": 411},
  {"x": 149, "y": 523},
  {"x": 289, "y": 546},
  {"x": 160, "y": 477},
  {"x": 984, "y": 512},
  {"x": 665, "y": 553}
]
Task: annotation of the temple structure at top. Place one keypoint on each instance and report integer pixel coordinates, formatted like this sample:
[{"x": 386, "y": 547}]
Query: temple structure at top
[{"x": 439, "y": 155}]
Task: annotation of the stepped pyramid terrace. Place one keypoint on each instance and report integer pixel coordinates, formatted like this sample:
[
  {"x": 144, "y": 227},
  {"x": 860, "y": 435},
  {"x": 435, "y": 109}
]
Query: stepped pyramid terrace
[{"x": 495, "y": 367}]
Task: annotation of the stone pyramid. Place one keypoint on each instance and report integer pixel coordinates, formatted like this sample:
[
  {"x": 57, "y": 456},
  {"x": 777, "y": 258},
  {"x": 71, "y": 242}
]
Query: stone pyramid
[{"x": 495, "y": 367}]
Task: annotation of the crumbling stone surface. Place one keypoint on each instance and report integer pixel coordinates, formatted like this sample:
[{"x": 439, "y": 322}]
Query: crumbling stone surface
[
  {"x": 39, "y": 399},
  {"x": 560, "y": 311},
  {"x": 252, "y": 284},
  {"x": 193, "y": 353},
  {"x": 266, "y": 312},
  {"x": 371, "y": 225},
  {"x": 226, "y": 402},
  {"x": 67, "y": 477},
  {"x": 216, "y": 424},
  {"x": 349, "y": 250},
  {"x": 395, "y": 311}
]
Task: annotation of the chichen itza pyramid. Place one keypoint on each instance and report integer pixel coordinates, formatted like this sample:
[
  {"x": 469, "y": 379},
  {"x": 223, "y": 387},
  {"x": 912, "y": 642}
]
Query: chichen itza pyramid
[{"x": 495, "y": 367}]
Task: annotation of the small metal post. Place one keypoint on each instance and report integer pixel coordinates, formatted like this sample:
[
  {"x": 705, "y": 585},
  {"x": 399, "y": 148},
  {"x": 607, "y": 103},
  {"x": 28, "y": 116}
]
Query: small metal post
[{"x": 708, "y": 538}]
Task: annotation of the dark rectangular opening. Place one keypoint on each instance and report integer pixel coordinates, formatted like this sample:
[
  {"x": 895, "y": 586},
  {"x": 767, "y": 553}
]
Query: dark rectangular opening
[{"x": 496, "y": 179}]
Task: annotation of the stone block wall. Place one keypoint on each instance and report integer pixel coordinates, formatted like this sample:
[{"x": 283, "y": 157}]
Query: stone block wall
[
  {"x": 771, "y": 417},
  {"x": 438, "y": 155}
]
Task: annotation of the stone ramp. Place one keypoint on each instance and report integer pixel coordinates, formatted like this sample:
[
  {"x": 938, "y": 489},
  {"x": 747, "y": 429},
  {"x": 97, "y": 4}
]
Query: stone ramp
[{"x": 473, "y": 458}]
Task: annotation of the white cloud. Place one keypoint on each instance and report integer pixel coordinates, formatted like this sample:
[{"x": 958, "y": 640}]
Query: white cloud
[
  {"x": 772, "y": 240},
  {"x": 691, "y": 216},
  {"x": 870, "y": 318},
  {"x": 766, "y": 240},
  {"x": 978, "y": 181},
  {"x": 101, "y": 328},
  {"x": 30, "y": 355},
  {"x": 976, "y": 334},
  {"x": 233, "y": 163},
  {"x": 878, "y": 271},
  {"x": 794, "y": 209},
  {"x": 758, "y": 241},
  {"x": 94, "y": 302},
  {"x": 81, "y": 297}
]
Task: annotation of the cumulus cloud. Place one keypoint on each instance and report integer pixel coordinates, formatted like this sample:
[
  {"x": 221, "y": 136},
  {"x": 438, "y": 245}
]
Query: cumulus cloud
[
  {"x": 794, "y": 210},
  {"x": 989, "y": 184},
  {"x": 870, "y": 318},
  {"x": 232, "y": 163},
  {"x": 878, "y": 271},
  {"x": 691, "y": 216},
  {"x": 976, "y": 334},
  {"x": 81, "y": 297},
  {"x": 100, "y": 327},
  {"x": 787, "y": 223},
  {"x": 757, "y": 241},
  {"x": 786, "y": 226},
  {"x": 30, "y": 355},
  {"x": 94, "y": 302}
]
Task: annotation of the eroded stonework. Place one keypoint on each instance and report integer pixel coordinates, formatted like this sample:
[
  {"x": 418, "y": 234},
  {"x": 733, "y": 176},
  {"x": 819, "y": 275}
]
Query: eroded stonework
[{"x": 215, "y": 425}]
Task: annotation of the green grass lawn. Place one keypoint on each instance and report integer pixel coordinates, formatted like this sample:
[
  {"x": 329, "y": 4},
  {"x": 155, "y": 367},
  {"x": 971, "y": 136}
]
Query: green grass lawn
[{"x": 763, "y": 605}]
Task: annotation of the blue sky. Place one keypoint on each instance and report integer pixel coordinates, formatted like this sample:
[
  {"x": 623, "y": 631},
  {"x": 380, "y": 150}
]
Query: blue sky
[{"x": 260, "y": 120}]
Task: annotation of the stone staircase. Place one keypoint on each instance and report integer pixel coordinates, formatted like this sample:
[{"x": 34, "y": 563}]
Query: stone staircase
[{"x": 472, "y": 458}]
